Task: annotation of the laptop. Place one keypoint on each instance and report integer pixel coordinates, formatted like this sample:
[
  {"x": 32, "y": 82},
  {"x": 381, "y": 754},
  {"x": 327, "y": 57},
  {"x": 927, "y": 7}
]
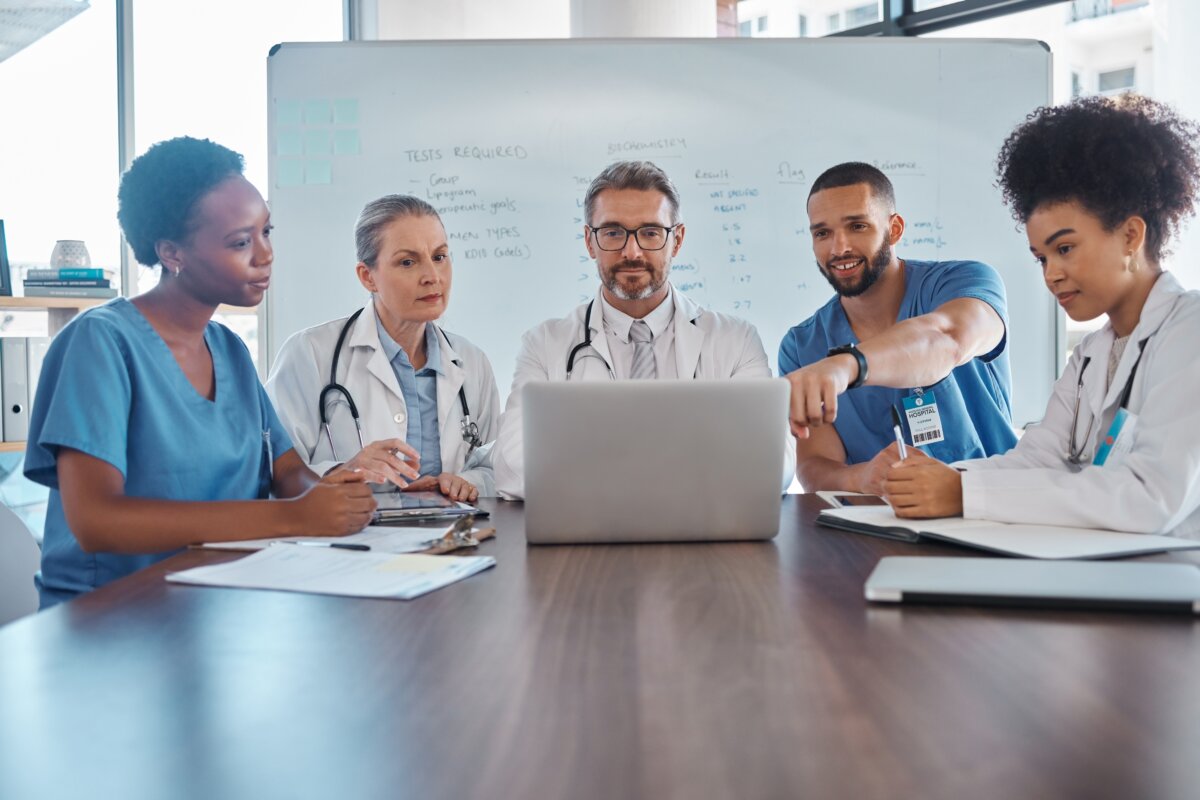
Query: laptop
[
  {"x": 654, "y": 461},
  {"x": 1098, "y": 585}
]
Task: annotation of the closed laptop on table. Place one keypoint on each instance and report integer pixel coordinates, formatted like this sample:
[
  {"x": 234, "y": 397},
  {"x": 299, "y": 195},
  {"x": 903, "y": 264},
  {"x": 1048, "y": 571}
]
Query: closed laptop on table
[{"x": 634, "y": 461}]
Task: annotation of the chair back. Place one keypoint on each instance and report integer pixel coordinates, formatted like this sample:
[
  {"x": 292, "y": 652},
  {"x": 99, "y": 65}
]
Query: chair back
[{"x": 20, "y": 558}]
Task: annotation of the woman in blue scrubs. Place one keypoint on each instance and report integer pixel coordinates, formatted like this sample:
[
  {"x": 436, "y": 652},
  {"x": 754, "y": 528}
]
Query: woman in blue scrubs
[{"x": 150, "y": 425}]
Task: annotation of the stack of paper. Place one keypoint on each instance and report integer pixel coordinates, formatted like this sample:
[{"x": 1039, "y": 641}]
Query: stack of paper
[
  {"x": 319, "y": 570},
  {"x": 379, "y": 538}
]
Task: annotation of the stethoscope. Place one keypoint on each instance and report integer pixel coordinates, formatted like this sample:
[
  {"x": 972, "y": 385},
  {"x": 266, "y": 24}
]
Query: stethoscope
[
  {"x": 1075, "y": 451},
  {"x": 470, "y": 431},
  {"x": 587, "y": 343}
]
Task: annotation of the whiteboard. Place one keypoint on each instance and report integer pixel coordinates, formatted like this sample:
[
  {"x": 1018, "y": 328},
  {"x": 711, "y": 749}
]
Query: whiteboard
[{"x": 504, "y": 137}]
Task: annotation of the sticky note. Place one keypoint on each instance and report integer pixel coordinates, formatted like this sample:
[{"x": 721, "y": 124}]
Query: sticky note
[
  {"x": 345, "y": 143},
  {"x": 345, "y": 112},
  {"x": 289, "y": 112},
  {"x": 289, "y": 143},
  {"x": 318, "y": 171},
  {"x": 289, "y": 172},
  {"x": 316, "y": 143},
  {"x": 316, "y": 112}
]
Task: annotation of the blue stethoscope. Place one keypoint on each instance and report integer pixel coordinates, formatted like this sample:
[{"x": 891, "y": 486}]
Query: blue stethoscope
[
  {"x": 587, "y": 344},
  {"x": 470, "y": 431}
]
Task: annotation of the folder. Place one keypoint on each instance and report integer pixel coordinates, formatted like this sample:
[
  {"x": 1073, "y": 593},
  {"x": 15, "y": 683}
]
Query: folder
[
  {"x": 35, "y": 354},
  {"x": 1023, "y": 541},
  {"x": 14, "y": 382}
]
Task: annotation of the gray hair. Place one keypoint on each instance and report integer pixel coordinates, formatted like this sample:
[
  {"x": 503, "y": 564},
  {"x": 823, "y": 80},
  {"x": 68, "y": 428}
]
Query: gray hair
[
  {"x": 378, "y": 214},
  {"x": 639, "y": 175}
]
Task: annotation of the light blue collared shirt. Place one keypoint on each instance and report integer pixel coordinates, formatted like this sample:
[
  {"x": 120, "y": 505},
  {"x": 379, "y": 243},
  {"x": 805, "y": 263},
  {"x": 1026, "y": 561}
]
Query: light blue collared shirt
[{"x": 419, "y": 388}]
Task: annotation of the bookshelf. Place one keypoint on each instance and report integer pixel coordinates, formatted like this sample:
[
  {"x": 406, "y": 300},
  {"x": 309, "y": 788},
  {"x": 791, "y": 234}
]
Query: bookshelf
[{"x": 62, "y": 310}]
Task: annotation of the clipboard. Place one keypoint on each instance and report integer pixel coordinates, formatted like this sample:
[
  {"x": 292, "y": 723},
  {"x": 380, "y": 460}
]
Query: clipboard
[{"x": 458, "y": 537}]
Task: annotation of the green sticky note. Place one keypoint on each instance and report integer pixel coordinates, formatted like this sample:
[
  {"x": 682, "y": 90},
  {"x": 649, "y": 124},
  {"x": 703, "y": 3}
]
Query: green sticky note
[
  {"x": 316, "y": 143},
  {"x": 345, "y": 112},
  {"x": 289, "y": 143},
  {"x": 345, "y": 143},
  {"x": 289, "y": 172},
  {"x": 316, "y": 112},
  {"x": 289, "y": 112},
  {"x": 318, "y": 171}
]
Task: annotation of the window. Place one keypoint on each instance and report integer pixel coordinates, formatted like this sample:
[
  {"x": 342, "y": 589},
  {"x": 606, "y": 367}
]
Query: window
[
  {"x": 745, "y": 28},
  {"x": 802, "y": 25},
  {"x": 761, "y": 24},
  {"x": 1076, "y": 85},
  {"x": 225, "y": 100},
  {"x": 862, "y": 15},
  {"x": 1116, "y": 81},
  {"x": 834, "y": 23},
  {"x": 59, "y": 172}
]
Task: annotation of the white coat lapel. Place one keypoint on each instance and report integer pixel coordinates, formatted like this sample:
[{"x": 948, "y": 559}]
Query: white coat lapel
[
  {"x": 1158, "y": 305},
  {"x": 449, "y": 382},
  {"x": 583, "y": 365},
  {"x": 366, "y": 336},
  {"x": 689, "y": 337}
]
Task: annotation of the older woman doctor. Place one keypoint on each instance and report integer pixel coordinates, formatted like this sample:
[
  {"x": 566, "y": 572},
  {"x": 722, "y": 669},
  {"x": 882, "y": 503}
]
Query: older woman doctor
[
  {"x": 419, "y": 393},
  {"x": 1100, "y": 185}
]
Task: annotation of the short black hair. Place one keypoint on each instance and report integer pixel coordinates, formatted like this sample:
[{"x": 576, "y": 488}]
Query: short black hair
[
  {"x": 1115, "y": 157},
  {"x": 852, "y": 173},
  {"x": 162, "y": 186}
]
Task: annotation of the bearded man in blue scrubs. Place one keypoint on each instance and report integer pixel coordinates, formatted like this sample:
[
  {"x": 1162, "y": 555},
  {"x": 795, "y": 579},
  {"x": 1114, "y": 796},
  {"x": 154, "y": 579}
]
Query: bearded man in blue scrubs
[{"x": 925, "y": 338}]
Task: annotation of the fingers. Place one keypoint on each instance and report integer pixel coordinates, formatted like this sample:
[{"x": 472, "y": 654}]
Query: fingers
[
  {"x": 346, "y": 476},
  {"x": 457, "y": 488},
  {"x": 398, "y": 446},
  {"x": 428, "y": 483},
  {"x": 799, "y": 430}
]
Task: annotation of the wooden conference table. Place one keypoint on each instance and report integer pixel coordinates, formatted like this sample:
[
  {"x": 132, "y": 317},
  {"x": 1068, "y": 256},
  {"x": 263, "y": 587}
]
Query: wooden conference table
[{"x": 691, "y": 671}]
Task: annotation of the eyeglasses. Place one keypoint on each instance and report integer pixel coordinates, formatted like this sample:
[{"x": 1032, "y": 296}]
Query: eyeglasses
[{"x": 648, "y": 237}]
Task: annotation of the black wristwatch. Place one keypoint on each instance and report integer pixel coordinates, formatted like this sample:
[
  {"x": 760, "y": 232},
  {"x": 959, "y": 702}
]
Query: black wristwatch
[{"x": 852, "y": 349}]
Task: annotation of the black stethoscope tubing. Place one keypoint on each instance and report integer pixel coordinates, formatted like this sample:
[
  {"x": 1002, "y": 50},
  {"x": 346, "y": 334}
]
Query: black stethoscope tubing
[
  {"x": 587, "y": 342},
  {"x": 470, "y": 430}
]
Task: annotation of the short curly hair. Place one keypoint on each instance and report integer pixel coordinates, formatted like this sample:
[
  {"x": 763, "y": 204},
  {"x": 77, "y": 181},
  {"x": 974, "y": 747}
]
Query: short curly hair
[
  {"x": 162, "y": 186},
  {"x": 1117, "y": 157}
]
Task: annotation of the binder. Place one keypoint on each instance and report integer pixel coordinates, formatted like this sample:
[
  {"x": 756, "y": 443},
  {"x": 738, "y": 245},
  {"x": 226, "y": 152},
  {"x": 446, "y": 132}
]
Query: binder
[
  {"x": 14, "y": 383},
  {"x": 35, "y": 354}
]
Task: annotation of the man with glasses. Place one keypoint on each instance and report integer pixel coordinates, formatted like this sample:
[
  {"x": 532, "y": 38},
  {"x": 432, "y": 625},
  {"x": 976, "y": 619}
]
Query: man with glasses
[{"x": 638, "y": 326}]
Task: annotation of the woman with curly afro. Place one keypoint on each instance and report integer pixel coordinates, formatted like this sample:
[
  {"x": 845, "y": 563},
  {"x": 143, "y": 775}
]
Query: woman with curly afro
[
  {"x": 150, "y": 425},
  {"x": 1101, "y": 187}
]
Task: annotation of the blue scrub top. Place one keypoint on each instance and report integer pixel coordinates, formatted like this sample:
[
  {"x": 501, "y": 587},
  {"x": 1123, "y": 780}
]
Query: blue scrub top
[
  {"x": 111, "y": 388},
  {"x": 973, "y": 400},
  {"x": 419, "y": 388}
]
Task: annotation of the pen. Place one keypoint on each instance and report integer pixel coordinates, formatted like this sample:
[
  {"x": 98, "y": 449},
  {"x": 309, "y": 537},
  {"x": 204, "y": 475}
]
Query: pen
[
  {"x": 337, "y": 545},
  {"x": 899, "y": 435}
]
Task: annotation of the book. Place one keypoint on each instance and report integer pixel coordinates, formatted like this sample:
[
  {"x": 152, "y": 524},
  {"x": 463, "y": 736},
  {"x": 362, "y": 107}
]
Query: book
[
  {"x": 1025, "y": 541},
  {"x": 69, "y": 291},
  {"x": 68, "y": 274},
  {"x": 101, "y": 283}
]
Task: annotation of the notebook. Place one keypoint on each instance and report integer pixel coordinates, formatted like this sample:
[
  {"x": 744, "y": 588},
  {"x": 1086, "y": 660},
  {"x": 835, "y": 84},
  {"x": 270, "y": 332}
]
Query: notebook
[
  {"x": 1049, "y": 584},
  {"x": 1026, "y": 541}
]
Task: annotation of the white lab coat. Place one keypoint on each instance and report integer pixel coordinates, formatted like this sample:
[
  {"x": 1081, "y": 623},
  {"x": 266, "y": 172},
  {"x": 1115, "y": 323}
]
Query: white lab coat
[
  {"x": 1156, "y": 487},
  {"x": 301, "y": 371},
  {"x": 708, "y": 345}
]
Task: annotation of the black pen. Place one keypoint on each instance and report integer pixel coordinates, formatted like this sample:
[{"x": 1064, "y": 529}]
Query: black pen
[{"x": 337, "y": 545}]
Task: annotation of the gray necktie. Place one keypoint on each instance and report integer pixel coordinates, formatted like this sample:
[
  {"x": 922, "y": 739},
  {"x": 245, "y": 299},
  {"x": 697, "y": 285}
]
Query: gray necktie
[{"x": 643, "y": 352}]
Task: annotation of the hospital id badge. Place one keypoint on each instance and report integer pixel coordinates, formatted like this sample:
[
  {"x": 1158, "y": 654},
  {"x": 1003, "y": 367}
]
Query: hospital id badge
[
  {"x": 1119, "y": 439},
  {"x": 924, "y": 419}
]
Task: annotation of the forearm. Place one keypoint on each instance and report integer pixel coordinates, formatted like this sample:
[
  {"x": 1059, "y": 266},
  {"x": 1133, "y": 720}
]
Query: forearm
[
  {"x": 820, "y": 474},
  {"x": 914, "y": 352},
  {"x": 121, "y": 524},
  {"x": 295, "y": 481}
]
